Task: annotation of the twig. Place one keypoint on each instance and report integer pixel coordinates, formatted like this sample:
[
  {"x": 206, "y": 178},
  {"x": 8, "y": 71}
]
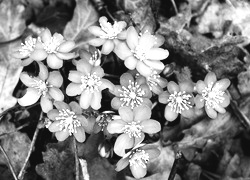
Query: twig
[
  {"x": 21, "y": 173},
  {"x": 175, "y": 165},
  {"x": 175, "y": 7},
  {"x": 8, "y": 161},
  {"x": 76, "y": 160}
]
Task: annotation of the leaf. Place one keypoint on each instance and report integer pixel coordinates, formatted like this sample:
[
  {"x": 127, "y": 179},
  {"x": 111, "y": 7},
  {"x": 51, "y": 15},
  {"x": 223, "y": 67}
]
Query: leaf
[
  {"x": 12, "y": 26},
  {"x": 77, "y": 29},
  {"x": 15, "y": 144},
  {"x": 57, "y": 159},
  {"x": 244, "y": 82},
  {"x": 224, "y": 126}
]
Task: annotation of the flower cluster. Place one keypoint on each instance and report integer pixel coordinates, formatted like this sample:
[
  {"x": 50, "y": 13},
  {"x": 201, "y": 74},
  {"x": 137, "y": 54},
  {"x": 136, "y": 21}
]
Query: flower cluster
[
  {"x": 55, "y": 48},
  {"x": 73, "y": 102}
]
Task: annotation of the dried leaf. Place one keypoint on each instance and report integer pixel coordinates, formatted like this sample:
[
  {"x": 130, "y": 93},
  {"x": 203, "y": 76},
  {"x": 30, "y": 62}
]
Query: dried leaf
[
  {"x": 12, "y": 25},
  {"x": 77, "y": 29},
  {"x": 244, "y": 82},
  {"x": 16, "y": 145}
]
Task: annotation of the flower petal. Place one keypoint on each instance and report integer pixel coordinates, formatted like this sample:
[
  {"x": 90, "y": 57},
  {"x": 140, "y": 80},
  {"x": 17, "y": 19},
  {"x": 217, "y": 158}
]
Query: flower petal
[
  {"x": 147, "y": 92},
  {"x": 163, "y": 97},
  {"x": 96, "y": 100},
  {"x": 147, "y": 102},
  {"x": 211, "y": 112},
  {"x": 107, "y": 47},
  {"x": 27, "y": 61},
  {"x": 200, "y": 86},
  {"x": 96, "y": 42},
  {"x": 169, "y": 114},
  {"x": 85, "y": 99},
  {"x": 66, "y": 46},
  {"x": 80, "y": 134},
  {"x": 54, "y": 127},
  {"x": 173, "y": 87},
  {"x": 121, "y": 164},
  {"x": 116, "y": 126},
  {"x": 222, "y": 84},
  {"x": 56, "y": 94},
  {"x": 27, "y": 80},
  {"x": 55, "y": 79},
  {"x": 73, "y": 89},
  {"x": 126, "y": 113},
  {"x": 132, "y": 38},
  {"x": 226, "y": 100},
  {"x": 159, "y": 40},
  {"x": 116, "y": 103},
  {"x": 38, "y": 54},
  {"x": 106, "y": 84},
  {"x": 138, "y": 171},
  {"x": 46, "y": 104},
  {"x": 210, "y": 78},
  {"x": 153, "y": 153},
  {"x": 157, "y": 54},
  {"x": 75, "y": 76},
  {"x": 150, "y": 126},
  {"x": 75, "y": 107},
  {"x": 61, "y": 135},
  {"x": 52, "y": 114},
  {"x": 54, "y": 62},
  {"x": 43, "y": 71},
  {"x": 98, "y": 70},
  {"x": 186, "y": 86},
  {"x": 122, "y": 50},
  {"x": 220, "y": 109},
  {"x": 142, "y": 113},
  {"x": 46, "y": 35},
  {"x": 143, "y": 69},
  {"x": 157, "y": 65},
  {"x": 96, "y": 30},
  {"x": 139, "y": 139},
  {"x": 146, "y": 41},
  {"x": 61, "y": 105},
  {"x": 83, "y": 66},
  {"x": 125, "y": 79},
  {"x": 130, "y": 62},
  {"x": 65, "y": 56},
  {"x": 31, "y": 97},
  {"x": 122, "y": 143},
  {"x": 82, "y": 119},
  {"x": 199, "y": 101},
  {"x": 188, "y": 113}
]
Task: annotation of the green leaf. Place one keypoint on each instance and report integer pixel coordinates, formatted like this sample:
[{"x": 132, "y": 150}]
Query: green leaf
[
  {"x": 12, "y": 26},
  {"x": 77, "y": 29}
]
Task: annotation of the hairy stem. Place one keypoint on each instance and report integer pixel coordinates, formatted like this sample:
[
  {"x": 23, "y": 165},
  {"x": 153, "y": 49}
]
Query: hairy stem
[
  {"x": 175, "y": 165},
  {"x": 76, "y": 160},
  {"x": 22, "y": 172}
]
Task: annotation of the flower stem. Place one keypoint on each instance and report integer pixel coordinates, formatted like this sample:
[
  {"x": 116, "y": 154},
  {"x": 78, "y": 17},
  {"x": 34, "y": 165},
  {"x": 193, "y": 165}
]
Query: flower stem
[
  {"x": 76, "y": 160},
  {"x": 22, "y": 172},
  {"x": 8, "y": 161},
  {"x": 175, "y": 165}
]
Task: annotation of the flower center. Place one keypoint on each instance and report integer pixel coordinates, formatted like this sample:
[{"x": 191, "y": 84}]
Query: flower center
[
  {"x": 90, "y": 82},
  {"x": 139, "y": 158},
  {"x": 212, "y": 96},
  {"x": 95, "y": 59},
  {"x": 42, "y": 86},
  {"x": 131, "y": 96},
  {"x": 179, "y": 101},
  {"x": 111, "y": 30},
  {"x": 52, "y": 45},
  {"x": 153, "y": 79},
  {"x": 103, "y": 119},
  {"x": 28, "y": 46},
  {"x": 133, "y": 129},
  {"x": 139, "y": 53},
  {"x": 68, "y": 121}
]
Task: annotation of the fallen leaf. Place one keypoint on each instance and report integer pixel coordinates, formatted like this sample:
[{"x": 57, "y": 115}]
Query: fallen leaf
[
  {"x": 15, "y": 144},
  {"x": 77, "y": 29},
  {"x": 12, "y": 26},
  {"x": 244, "y": 82}
]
